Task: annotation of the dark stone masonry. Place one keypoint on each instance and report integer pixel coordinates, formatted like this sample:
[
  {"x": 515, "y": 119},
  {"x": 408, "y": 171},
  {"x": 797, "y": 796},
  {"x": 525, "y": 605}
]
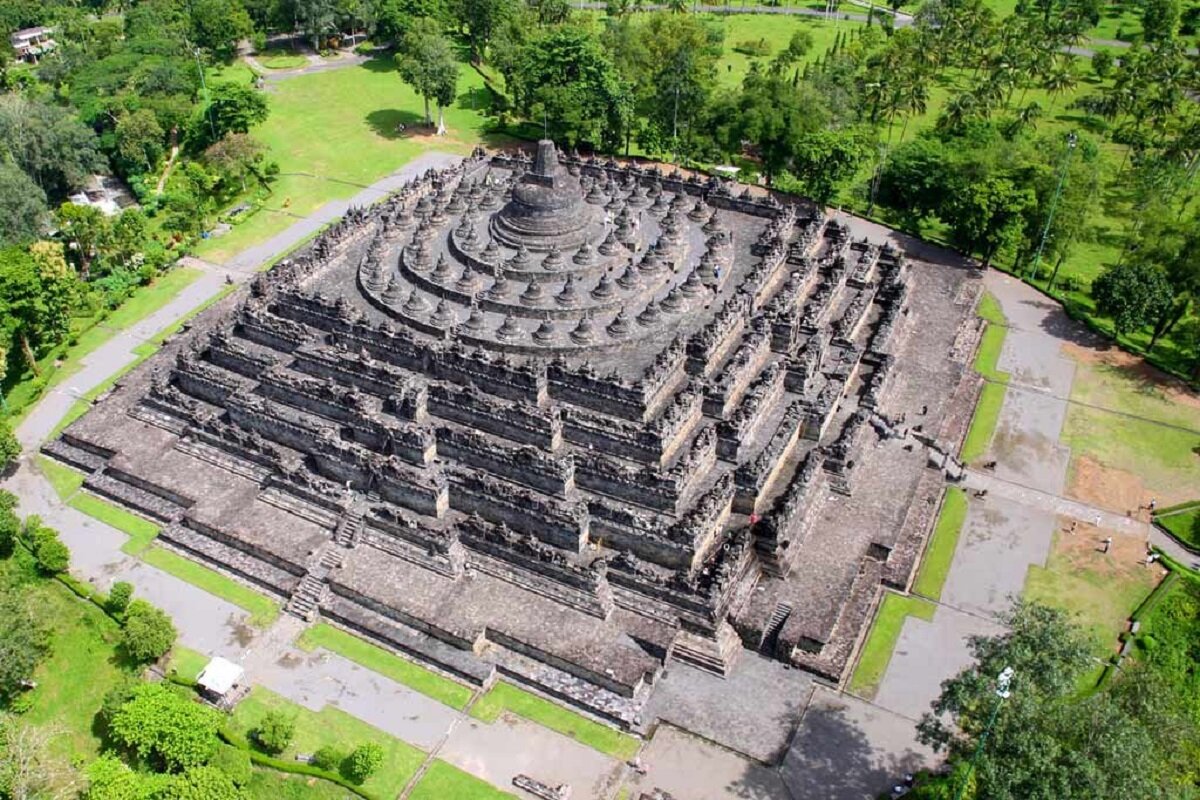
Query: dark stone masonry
[{"x": 565, "y": 420}]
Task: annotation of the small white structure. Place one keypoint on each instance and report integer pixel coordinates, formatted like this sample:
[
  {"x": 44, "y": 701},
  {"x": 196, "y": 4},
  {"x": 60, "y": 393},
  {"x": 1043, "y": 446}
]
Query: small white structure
[
  {"x": 106, "y": 193},
  {"x": 31, "y": 44},
  {"x": 217, "y": 680}
]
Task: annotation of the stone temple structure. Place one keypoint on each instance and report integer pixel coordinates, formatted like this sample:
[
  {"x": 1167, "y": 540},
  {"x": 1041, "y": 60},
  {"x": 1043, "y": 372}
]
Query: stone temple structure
[{"x": 563, "y": 420}]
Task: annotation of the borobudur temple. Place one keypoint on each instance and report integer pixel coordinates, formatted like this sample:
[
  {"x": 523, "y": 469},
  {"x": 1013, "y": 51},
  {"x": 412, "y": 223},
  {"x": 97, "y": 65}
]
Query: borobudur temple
[{"x": 562, "y": 420}]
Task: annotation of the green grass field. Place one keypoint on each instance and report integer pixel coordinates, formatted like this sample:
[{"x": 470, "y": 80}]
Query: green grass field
[
  {"x": 776, "y": 30},
  {"x": 1100, "y": 589},
  {"x": 82, "y": 666},
  {"x": 991, "y": 399},
  {"x": 63, "y": 479},
  {"x": 443, "y": 781},
  {"x": 939, "y": 551},
  {"x": 187, "y": 663},
  {"x": 263, "y": 610},
  {"x": 399, "y": 669},
  {"x": 876, "y": 652},
  {"x": 1184, "y": 525},
  {"x": 506, "y": 697},
  {"x": 267, "y": 784},
  {"x": 333, "y": 727},
  {"x": 141, "y": 531},
  {"x": 334, "y": 132},
  {"x": 1126, "y": 417},
  {"x": 281, "y": 59}
]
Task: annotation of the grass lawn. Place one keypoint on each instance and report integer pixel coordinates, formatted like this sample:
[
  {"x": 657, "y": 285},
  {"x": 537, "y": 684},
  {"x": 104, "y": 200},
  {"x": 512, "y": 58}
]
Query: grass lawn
[
  {"x": 991, "y": 399},
  {"x": 1183, "y": 524},
  {"x": 334, "y": 132},
  {"x": 1142, "y": 430},
  {"x": 263, "y": 610},
  {"x": 145, "y": 301},
  {"x": 881, "y": 641},
  {"x": 267, "y": 784},
  {"x": 444, "y": 781},
  {"x": 939, "y": 551},
  {"x": 776, "y": 30},
  {"x": 82, "y": 666},
  {"x": 333, "y": 727},
  {"x": 141, "y": 531},
  {"x": 506, "y": 697},
  {"x": 1100, "y": 589},
  {"x": 399, "y": 669},
  {"x": 280, "y": 59},
  {"x": 983, "y": 424},
  {"x": 65, "y": 480},
  {"x": 187, "y": 663}
]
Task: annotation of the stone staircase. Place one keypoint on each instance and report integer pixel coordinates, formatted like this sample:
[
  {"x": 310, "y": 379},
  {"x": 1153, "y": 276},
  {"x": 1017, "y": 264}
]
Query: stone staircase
[
  {"x": 349, "y": 528},
  {"x": 770, "y": 634},
  {"x": 306, "y": 600}
]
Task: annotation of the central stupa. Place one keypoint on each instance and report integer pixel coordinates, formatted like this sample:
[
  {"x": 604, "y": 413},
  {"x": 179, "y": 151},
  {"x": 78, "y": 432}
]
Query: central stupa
[{"x": 547, "y": 210}]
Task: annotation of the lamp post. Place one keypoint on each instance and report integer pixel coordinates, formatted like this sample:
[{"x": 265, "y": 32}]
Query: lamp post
[
  {"x": 1072, "y": 140},
  {"x": 1003, "y": 681}
]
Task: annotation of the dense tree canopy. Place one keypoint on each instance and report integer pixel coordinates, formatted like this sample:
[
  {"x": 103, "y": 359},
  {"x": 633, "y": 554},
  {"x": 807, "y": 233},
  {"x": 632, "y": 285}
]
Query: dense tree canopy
[
  {"x": 24, "y": 642},
  {"x": 165, "y": 728}
]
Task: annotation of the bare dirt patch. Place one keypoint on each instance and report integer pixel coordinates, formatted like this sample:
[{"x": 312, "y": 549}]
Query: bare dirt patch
[
  {"x": 1113, "y": 489},
  {"x": 1172, "y": 389},
  {"x": 1082, "y": 548},
  {"x": 1116, "y": 490}
]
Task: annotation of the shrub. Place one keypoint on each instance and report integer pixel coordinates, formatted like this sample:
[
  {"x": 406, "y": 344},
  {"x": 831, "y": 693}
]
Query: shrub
[
  {"x": 10, "y": 448},
  {"x": 362, "y": 762},
  {"x": 750, "y": 47},
  {"x": 234, "y": 763},
  {"x": 328, "y": 758},
  {"x": 274, "y": 733},
  {"x": 147, "y": 632},
  {"x": 51, "y": 554},
  {"x": 10, "y": 527},
  {"x": 118, "y": 598},
  {"x": 164, "y": 728},
  {"x": 200, "y": 783}
]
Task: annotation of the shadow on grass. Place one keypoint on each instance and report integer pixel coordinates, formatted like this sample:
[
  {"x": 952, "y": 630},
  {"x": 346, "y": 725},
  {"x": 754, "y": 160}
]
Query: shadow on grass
[
  {"x": 383, "y": 63},
  {"x": 386, "y": 122}
]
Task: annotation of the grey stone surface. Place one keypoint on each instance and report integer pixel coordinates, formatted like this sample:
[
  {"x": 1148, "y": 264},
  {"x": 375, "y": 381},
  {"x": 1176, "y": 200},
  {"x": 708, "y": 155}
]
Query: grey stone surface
[
  {"x": 926, "y": 654},
  {"x": 999, "y": 540},
  {"x": 692, "y": 768},
  {"x": 849, "y": 749},
  {"x": 753, "y": 710}
]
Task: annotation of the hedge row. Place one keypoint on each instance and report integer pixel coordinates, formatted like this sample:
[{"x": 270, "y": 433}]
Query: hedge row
[{"x": 294, "y": 767}]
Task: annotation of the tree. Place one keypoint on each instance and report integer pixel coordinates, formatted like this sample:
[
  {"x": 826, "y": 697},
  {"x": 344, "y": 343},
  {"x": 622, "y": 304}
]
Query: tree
[
  {"x": 426, "y": 63},
  {"x": 317, "y": 18},
  {"x": 48, "y": 143},
  {"x": 118, "y": 597},
  {"x": 1160, "y": 19},
  {"x": 86, "y": 229},
  {"x": 1134, "y": 295},
  {"x": 776, "y": 117},
  {"x": 236, "y": 156},
  {"x": 147, "y": 633},
  {"x": 1102, "y": 63},
  {"x": 236, "y": 108},
  {"x": 200, "y": 783},
  {"x": 986, "y": 215},
  {"x": 51, "y": 554},
  {"x": 35, "y": 304},
  {"x": 24, "y": 642},
  {"x": 22, "y": 206},
  {"x": 482, "y": 19},
  {"x": 362, "y": 762},
  {"x": 275, "y": 731},
  {"x": 164, "y": 728},
  {"x": 824, "y": 160},
  {"x": 27, "y": 769},
  {"x": 10, "y": 451},
  {"x": 218, "y": 25},
  {"x": 1043, "y": 742},
  {"x": 564, "y": 79},
  {"x": 110, "y": 779},
  {"x": 139, "y": 140}
]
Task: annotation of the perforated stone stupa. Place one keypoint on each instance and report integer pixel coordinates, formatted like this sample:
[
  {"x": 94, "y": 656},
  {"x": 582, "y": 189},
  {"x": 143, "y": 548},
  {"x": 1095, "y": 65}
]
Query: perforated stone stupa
[{"x": 560, "y": 419}]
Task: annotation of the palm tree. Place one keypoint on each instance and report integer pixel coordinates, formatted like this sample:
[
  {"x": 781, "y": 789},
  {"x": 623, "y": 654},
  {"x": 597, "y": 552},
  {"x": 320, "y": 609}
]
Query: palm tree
[
  {"x": 1060, "y": 80},
  {"x": 915, "y": 94},
  {"x": 962, "y": 107}
]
